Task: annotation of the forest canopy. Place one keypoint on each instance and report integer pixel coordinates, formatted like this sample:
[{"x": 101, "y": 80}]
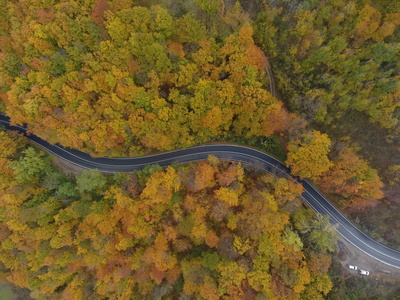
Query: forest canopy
[
  {"x": 113, "y": 78},
  {"x": 207, "y": 229},
  {"x": 116, "y": 78},
  {"x": 332, "y": 57}
]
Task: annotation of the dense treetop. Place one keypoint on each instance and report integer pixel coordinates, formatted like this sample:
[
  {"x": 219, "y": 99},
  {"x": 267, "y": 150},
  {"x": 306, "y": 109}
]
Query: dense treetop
[
  {"x": 208, "y": 230},
  {"x": 118, "y": 79},
  {"x": 331, "y": 57},
  {"x": 113, "y": 78}
]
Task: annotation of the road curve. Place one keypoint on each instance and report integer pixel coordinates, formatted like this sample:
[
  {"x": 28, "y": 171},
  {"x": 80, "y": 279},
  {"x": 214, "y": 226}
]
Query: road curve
[{"x": 229, "y": 152}]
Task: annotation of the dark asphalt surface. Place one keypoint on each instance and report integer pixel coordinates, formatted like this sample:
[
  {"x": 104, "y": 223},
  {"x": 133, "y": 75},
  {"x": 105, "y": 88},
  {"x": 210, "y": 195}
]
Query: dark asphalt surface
[{"x": 228, "y": 152}]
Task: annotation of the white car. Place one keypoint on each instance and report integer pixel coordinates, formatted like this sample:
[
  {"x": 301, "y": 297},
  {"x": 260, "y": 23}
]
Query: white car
[
  {"x": 352, "y": 267},
  {"x": 363, "y": 272}
]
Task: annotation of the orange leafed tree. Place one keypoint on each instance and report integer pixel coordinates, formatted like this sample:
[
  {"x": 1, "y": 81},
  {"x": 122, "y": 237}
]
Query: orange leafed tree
[
  {"x": 353, "y": 179},
  {"x": 204, "y": 176}
]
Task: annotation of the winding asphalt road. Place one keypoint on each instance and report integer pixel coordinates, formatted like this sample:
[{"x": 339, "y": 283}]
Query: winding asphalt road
[{"x": 229, "y": 152}]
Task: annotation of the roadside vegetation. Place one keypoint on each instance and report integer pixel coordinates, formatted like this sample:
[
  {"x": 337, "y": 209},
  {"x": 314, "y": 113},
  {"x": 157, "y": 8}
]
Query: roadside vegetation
[
  {"x": 114, "y": 78},
  {"x": 117, "y": 78},
  {"x": 127, "y": 80},
  {"x": 208, "y": 229},
  {"x": 349, "y": 287},
  {"x": 337, "y": 64},
  {"x": 331, "y": 57}
]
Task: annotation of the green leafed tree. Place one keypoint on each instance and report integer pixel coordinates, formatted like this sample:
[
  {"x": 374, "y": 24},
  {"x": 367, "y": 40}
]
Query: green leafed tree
[
  {"x": 90, "y": 181},
  {"x": 31, "y": 166},
  {"x": 316, "y": 230}
]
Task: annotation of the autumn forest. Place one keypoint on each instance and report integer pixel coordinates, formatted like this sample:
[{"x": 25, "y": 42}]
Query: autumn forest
[{"x": 130, "y": 78}]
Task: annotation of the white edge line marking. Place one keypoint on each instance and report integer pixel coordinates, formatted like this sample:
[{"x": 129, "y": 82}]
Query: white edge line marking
[{"x": 254, "y": 158}]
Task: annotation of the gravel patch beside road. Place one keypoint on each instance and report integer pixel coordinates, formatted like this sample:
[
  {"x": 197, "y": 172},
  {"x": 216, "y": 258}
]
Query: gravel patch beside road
[{"x": 348, "y": 254}]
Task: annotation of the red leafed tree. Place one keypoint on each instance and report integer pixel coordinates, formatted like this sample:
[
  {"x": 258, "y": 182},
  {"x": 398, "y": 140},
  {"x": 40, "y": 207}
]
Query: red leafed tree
[{"x": 98, "y": 11}]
